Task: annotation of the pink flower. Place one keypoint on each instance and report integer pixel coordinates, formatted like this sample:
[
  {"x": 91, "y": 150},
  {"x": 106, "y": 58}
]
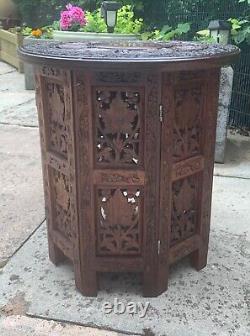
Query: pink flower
[
  {"x": 65, "y": 20},
  {"x": 73, "y": 15}
]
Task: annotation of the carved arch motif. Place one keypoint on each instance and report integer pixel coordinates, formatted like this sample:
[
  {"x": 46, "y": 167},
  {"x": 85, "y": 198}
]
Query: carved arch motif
[
  {"x": 184, "y": 210},
  {"x": 119, "y": 127},
  {"x": 119, "y": 221},
  {"x": 187, "y": 125}
]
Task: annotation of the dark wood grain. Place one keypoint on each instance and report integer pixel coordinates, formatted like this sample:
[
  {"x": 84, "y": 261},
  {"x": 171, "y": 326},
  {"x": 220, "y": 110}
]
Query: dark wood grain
[
  {"x": 128, "y": 155},
  {"x": 199, "y": 258}
]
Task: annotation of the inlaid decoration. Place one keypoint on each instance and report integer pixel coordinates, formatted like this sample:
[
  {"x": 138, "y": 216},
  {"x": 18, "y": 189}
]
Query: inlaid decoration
[
  {"x": 184, "y": 209},
  {"x": 119, "y": 127},
  {"x": 119, "y": 221},
  {"x": 188, "y": 122}
]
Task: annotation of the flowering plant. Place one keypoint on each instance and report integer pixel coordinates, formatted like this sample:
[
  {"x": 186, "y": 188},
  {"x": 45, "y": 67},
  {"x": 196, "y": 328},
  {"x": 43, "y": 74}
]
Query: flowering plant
[
  {"x": 73, "y": 18},
  {"x": 38, "y": 33}
]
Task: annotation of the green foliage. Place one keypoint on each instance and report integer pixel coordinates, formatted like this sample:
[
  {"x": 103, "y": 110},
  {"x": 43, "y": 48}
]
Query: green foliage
[
  {"x": 95, "y": 23},
  {"x": 26, "y": 31},
  {"x": 42, "y": 33},
  {"x": 38, "y": 13},
  {"x": 126, "y": 22},
  {"x": 240, "y": 31},
  {"x": 167, "y": 33},
  {"x": 43, "y": 12},
  {"x": 240, "y": 28},
  {"x": 204, "y": 36},
  {"x": 55, "y": 25},
  {"x": 155, "y": 14}
]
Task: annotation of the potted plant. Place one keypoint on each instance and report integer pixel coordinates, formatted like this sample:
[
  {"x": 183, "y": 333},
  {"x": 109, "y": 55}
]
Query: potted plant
[{"x": 78, "y": 25}]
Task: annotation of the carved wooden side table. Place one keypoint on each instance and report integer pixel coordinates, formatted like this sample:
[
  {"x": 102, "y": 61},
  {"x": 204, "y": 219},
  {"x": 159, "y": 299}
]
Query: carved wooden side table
[{"x": 127, "y": 136}]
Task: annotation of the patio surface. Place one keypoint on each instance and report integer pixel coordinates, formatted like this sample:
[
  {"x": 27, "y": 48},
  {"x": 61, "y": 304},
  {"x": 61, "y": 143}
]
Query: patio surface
[{"x": 38, "y": 299}]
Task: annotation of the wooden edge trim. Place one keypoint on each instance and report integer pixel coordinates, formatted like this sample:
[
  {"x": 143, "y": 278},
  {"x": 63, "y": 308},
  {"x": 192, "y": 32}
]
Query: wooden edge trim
[
  {"x": 184, "y": 248},
  {"x": 122, "y": 264}
]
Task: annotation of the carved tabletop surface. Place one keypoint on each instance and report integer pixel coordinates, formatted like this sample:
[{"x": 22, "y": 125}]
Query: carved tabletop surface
[{"x": 128, "y": 51}]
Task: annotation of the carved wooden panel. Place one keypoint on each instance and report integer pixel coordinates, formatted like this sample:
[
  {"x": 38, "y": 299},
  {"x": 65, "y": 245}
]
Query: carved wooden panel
[
  {"x": 56, "y": 113},
  {"x": 125, "y": 191},
  {"x": 153, "y": 277},
  {"x": 85, "y": 259},
  {"x": 57, "y": 142},
  {"x": 41, "y": 120},
  {"x": 188, "y": 147},
  {"x": 119, "y": 222},
  {"x": 118, "y": 127},
  {"x": 189, "y": 103},
  {"x": 60, "y": 189},
  {"x": 185, "y": 207},
  {"x": 209, "y": 136}
]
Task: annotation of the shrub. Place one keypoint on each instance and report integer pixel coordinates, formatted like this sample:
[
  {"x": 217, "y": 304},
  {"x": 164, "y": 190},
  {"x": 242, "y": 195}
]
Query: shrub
[
  {"x": 37, "y": 13},
  {"x": 126, "y": 22}
]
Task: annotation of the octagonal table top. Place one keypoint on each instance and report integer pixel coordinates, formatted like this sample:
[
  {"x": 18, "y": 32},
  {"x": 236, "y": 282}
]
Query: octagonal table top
[{"x": 175, "y": 54}]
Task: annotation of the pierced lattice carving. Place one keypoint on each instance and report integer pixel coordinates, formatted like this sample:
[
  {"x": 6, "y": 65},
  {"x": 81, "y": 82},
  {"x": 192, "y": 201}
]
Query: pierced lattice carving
[
  {"x": 62, "y": 204},
  {"x": 184, "y": 211},
  {"x": 118, "y": 127},
  {"x": 187, "y": 125},
  {"x": 56, "y": 124},
  {"x": 118, "y": 221}
]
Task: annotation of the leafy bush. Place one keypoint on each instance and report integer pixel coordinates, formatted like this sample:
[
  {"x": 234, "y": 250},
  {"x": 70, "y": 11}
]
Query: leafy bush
[
  {"x": 39, "y": 33},
  {"x": 37, "y": 13},
  {"x": 240, "y": 31},
  {"x": 167, "y": 33},
  {"x": 95, "y": 23},
  {"x": 241, "y": 28},
  {"x": 155, "y": 13},
  {"x": 126, "y": 22},
  {"x": 204, "y": 36}
]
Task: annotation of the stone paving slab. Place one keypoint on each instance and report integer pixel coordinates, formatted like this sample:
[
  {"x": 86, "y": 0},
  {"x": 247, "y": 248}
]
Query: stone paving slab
[
  {"x": 237, "y": 157},
  {"x": 10, "y": 100},
  {"x": 231, "y": 205},
  {"x": 12, "y": 82},
  {"x": 18, "y": 109},
  {"x": 21, "y": 191},
  {"x": 214, "y": 301},
  {"x": 6, "y": 68},
  {"x": 25, "y": 326}
]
